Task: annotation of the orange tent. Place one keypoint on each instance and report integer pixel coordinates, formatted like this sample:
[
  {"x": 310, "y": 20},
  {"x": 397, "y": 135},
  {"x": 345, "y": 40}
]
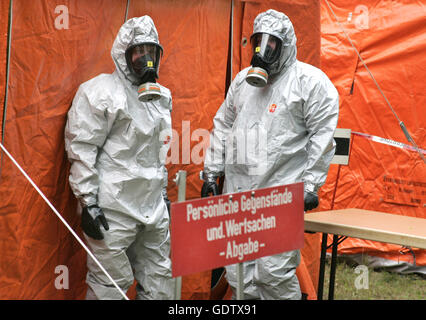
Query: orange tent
[{"x": 57, "y": 45}]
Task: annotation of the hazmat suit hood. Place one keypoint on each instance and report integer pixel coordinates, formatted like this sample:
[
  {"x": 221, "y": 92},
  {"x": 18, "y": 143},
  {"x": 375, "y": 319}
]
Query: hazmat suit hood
[
  {"x": 117, "y": 146},
  {"x": 133, "y": 31},
  {"x": 272, "y": 135},
  {"x": 279, "y": 25}
]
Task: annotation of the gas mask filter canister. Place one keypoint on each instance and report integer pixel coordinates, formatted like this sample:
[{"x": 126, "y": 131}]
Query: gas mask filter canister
[
  {"x": 149, "y": 91},
  {"x": 257, "y": 77}
]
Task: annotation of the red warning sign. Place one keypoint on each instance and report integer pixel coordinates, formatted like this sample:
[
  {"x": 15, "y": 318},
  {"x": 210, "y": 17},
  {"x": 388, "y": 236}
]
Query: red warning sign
[{"x": 211, "y": 232}]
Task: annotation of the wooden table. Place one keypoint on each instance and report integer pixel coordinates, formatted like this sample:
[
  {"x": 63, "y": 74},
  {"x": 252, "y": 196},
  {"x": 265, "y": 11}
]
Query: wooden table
[{"x": 362, "y": 224}]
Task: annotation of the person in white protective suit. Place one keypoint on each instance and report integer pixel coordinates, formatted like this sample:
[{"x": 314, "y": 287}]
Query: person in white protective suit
[
  {"x": 117, "y": 140},
  {"x": 275, "y": 127}
]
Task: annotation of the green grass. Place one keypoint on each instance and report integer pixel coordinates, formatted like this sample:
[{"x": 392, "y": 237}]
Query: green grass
[{"x": 382, "y": 285}]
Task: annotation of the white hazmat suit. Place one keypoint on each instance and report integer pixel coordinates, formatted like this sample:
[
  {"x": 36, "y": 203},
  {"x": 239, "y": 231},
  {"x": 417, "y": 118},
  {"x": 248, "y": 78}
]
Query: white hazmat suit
[
  {"x": 278, "y": 134},
  {"x": 117, "y": 147}
]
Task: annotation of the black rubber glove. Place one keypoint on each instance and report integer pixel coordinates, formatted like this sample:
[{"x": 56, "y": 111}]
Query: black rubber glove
[
  {"x": 311, "y": 201},
  {"x": 91, "y": 219},
  {"x": 209, "y": 187}
]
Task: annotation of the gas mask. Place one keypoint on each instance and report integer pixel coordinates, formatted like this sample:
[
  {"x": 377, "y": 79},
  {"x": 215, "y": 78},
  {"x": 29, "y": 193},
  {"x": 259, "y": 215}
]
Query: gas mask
[
  {"x": 143, "y": 61},
  {"x": 266, "y": 51}
]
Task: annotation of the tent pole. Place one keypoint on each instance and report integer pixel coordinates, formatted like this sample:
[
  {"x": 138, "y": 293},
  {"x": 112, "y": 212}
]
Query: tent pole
[
  {"x": 127, "y": 10},
  {"x": 6, "y": 87}
]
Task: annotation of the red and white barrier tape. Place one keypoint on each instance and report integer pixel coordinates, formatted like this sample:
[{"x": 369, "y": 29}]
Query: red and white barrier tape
[{"x": 387, "y": 142}]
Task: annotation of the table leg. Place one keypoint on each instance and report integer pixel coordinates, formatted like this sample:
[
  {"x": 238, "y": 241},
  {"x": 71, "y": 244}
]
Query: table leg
[
  {"x": 333, "y": 267},
  {"x": 322, "y": 265}
]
